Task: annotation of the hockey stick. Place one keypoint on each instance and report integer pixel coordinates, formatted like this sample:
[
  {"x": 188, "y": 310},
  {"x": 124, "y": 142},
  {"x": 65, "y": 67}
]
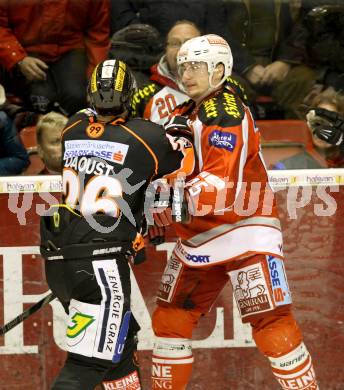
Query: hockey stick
[{"x": 26, "y": 313}]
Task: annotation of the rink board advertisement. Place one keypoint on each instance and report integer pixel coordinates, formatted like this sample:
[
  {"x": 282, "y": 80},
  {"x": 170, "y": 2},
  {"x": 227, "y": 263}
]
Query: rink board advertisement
[{"x": 311, "y": 205}]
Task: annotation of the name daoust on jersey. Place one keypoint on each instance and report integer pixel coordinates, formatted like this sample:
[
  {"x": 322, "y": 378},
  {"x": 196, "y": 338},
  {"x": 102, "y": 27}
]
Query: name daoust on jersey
[{"x": 89, "y": 166}]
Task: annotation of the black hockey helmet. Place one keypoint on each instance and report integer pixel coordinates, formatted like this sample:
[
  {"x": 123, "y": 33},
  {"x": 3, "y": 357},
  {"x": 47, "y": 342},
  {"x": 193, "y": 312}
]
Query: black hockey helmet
[
  {"x": 139, "y": 45},
  {"x": 111, "y": 87},
  {"x": 326, "y": 19},
  {"x": 140, "y": 36}
]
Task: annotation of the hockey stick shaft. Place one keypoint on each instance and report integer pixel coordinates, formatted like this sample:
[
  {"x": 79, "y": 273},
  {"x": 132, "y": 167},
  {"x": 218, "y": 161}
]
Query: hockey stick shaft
[{"x": 26, "y": 313}]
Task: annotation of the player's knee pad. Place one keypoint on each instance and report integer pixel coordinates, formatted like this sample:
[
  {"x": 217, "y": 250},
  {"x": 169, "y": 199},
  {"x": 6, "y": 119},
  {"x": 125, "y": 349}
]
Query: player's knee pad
[
  {"x": 276, "y": 333},
  {"x": 174, "y": 322}
]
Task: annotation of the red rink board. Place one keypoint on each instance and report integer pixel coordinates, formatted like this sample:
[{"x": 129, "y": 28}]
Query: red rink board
[{"x": 225, "y": 357}]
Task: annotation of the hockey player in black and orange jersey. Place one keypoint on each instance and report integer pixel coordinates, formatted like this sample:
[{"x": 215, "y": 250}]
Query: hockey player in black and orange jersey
[
  {"x": 234, "y": 233},
  {"x": 108, "y": 162},
  {"x": 156, "y": 100}
]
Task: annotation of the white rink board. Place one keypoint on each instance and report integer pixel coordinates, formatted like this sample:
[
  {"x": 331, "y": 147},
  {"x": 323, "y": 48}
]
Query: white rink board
[{"x": 278, "y": 179}]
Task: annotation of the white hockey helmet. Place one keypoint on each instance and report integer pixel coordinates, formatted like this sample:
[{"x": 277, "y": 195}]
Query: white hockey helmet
[{"x": 211, "y": 49}]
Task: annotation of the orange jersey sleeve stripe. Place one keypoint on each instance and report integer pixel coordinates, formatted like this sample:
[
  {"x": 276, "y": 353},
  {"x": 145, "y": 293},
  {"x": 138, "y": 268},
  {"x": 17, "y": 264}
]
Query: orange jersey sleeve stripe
[
  {"x": 69, "y": 127},
  {"x": 117, "y": 121}
]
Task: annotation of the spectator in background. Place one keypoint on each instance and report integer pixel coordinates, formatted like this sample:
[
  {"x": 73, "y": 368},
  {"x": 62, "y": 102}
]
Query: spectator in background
[
  {"x": 321, "y": 32},
  {"x": 157, "y": 99},
  {"x": 162, "y": 14},
  {"x": 324, "y": 154},
  {"x": 47, "y": 48},
  {"x": 48, "y": 133},
  {"x": 140, "y": 46},
  {"x": 266, "y": 60},
  {"x": 13, "y": 156}
]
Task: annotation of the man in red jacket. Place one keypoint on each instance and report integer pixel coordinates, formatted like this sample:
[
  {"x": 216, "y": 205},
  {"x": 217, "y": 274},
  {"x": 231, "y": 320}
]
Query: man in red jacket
[{"x": 48, "y": 47}]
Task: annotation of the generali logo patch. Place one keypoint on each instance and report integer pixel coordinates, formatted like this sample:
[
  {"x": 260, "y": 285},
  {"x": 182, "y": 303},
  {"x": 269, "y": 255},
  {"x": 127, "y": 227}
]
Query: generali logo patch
[{"x": 251, "y": 290}]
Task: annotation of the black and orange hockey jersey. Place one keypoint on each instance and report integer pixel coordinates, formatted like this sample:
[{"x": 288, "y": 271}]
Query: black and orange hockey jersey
[{"x": 108, "y": 167}]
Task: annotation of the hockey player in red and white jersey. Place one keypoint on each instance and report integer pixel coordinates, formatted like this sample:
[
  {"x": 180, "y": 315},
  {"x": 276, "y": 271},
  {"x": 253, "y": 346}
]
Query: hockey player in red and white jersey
[
  {"x": 156, "y": 100},
  {"x": 234, "y": 233}
]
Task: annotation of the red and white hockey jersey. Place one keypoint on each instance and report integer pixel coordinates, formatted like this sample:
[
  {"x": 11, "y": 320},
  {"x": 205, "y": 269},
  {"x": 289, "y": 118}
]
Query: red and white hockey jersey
[
  {"x": 156, "y": 100},
  {"x": 233, "y": 204}
]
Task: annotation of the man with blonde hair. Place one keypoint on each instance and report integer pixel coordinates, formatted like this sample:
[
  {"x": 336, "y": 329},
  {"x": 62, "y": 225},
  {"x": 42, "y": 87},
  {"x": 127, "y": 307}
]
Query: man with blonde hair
[{"x": 48, "y": 134}]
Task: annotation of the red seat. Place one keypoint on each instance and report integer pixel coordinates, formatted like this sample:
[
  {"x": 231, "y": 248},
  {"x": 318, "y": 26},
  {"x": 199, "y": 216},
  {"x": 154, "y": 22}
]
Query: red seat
[
  {"x": 28, "y": 137},
  {"x": 36, "y": 165},
  {"x": 289, "y": 130},
  {"x": 264, "y": 99},
  {"x": 282, "y": 139}
]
